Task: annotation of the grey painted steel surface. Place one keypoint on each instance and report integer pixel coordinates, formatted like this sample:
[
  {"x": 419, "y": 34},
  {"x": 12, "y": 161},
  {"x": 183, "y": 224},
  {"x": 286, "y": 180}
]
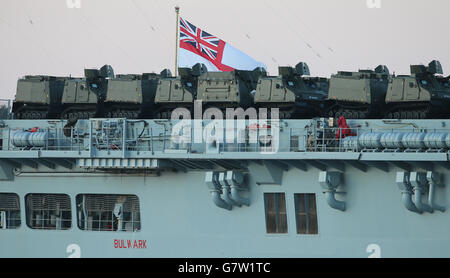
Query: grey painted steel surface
[{"x": 179, "y": 218}]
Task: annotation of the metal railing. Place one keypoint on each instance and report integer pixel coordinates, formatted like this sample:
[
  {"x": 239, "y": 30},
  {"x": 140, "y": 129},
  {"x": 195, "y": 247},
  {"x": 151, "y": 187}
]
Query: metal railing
[
  {"x": 10, "y": 219},
  {"x": 107, "y": 221},
  {"x": 6, "y": 109}
]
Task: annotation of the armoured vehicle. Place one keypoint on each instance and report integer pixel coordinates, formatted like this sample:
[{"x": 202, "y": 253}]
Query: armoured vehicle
[
  {"x": 228, "y": 89},
  {"x": 295, "y": 94},
  {"x": 39, "y": 97},
  {"x": 423, "y": 94},
  {"x": 177, "y": 92},
  {"x": 84, "y": 98},
  {"x": 358, "y": 95},
  {"x": 214, "y": 89},
  {"x": 355, "y": 95},
  {"x": 132, "y": 96}
]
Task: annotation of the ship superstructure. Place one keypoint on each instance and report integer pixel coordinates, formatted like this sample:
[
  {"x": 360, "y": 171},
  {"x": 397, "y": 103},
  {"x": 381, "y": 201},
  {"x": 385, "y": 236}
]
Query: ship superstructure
[{"x": 117, "y": 187}]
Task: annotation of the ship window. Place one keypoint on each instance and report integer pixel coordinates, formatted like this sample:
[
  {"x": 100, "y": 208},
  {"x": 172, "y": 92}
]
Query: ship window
[
  {"x": 276, "y": 217},
  {"x": 306, "y": 213},
  {"x": 101, "y": 212},
  {"x": 48, "y": 211},
  {"x": 411, "y": 85},
  {"x": 9, "y": 211}
]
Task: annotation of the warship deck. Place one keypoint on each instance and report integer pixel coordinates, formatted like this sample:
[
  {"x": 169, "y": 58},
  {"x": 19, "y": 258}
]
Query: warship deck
[{"x": 288, "y": 188}]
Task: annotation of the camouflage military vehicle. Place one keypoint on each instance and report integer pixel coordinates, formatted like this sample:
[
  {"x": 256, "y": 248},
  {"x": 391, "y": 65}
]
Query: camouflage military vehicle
[
  {"x": 358, "y": 95},
  {"x": 38, "y": 97},
  {"x": 84, "y": 98},
  {"x": 292, "y": 92},
  {"x": 355, "y": 95},
  {"x": 423, "y": 94},
  {"x": 174, "y": 92},
  {"x": 228, "y": 89},
  {"x": 132, "y": 96}
]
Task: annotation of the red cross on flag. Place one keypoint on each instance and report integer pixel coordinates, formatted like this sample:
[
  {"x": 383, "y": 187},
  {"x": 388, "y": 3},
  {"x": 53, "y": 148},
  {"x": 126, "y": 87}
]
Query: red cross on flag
[{"x": 198, "y": 46}]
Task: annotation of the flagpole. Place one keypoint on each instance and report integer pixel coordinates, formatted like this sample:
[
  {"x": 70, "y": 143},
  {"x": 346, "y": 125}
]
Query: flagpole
[{"x": 177, "y": 11}]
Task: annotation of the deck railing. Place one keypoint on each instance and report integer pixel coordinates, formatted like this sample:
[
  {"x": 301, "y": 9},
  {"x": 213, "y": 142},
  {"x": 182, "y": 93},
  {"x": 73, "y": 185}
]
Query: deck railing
[{"x": 123, "y": 138}]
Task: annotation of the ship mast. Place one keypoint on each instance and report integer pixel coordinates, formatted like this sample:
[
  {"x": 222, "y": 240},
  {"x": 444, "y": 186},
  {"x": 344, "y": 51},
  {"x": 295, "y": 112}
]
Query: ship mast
[{"x": 177, "y": 11}]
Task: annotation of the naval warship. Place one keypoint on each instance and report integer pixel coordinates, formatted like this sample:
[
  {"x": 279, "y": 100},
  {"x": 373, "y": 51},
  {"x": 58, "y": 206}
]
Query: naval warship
[
  {"x": 131, "y": 188},
  {"x": 122, "y": 186}
]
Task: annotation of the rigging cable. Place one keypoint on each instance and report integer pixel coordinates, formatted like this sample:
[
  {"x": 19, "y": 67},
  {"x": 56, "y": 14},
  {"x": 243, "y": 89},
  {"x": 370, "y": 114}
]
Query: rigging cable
[
  {"x": 326, "y": 45},
  {"x": 104, "y": 34},
  {"x": 145, "y": 16},
  {"x": 44, "y": 50},
  {"x": 299, "y": 36}
]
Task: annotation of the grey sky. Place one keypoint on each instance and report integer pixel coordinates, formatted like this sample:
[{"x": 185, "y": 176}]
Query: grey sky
[{"x": 134, "y": 36}]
